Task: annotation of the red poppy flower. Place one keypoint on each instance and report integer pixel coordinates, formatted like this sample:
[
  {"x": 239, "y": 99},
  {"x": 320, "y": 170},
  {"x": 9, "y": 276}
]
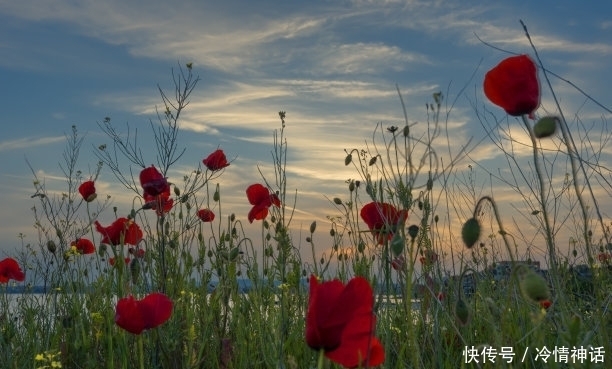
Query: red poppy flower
[
  {"x": 261, "y": 199},
  {"x": 10, "y": 269},
  {"x": 545, "y": 304},
  {"x": 340, "y": 321},
  {"x": 137, "y": 315},
  {"x": 216, "y": 160},
  {"x": 153, "y": 182},
  {"x": 88, "y": 191},
  {"x": 161, "y": 203},
  {"x": 122, "y": 231},
  {"x": 206, "y": 215},
  {"x": 383, "y": 219},
  {"x": 113, "y": 261},
  {"x": 84, "y": 246},
  {"x": 513, "y": 85}
]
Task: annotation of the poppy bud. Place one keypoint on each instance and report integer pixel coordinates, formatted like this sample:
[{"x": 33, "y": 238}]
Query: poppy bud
[
  {"x": 397, "y": 244},
  {"x": 216, "y": 196},
  {"x": 534, "y": 286},
  {"x": 413, "y": 231},
  {"x": 313, "y": 226},
  {"x": 337, "y": 201},
  {"x": 332, "y": 232},
  {"x": 177, "y": 191},
  {"x": 373, "y": 160},
  {"x": 352, "y": 186},
  {"x": 545, "y": 127},
  {"x": 308, "y": 239},
  {"x": 470, "y": 232},
  {"x": 406, "y": 131},
  {"x": 348, "y": 159},
  {"x": 51, "y": 246},
  {"x": 135, "y": 270},
  {"x": 462, "y": 312}
]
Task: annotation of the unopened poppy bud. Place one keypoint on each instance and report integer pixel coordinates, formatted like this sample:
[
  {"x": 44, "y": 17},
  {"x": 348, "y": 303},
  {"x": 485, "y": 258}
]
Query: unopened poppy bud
[
  {"x": 135, "y": 270},
  {"x": 234, "y": 253},
  {"x": 209, "y": 253},
  {"x": 361, "y": 246},
  {"x": 406, "y": 131},
  {"x": 397, "y": 244},
  {"x": 337, "y": 201},
  {"x": 184, "y": 198},
  {"x": 352, "y": 186},
  {"x": 313, "y": 226},
  {"x": 373, "y": 160},
  {"x": 332, "y": 232},
  {"x": 462, "y": 312},
  {"x": 177, "y": 191},
  {"x": 413, "y": 231},
  {"x": 470, "y": 233},
  {"x": 51, "y": 246},
  {"x": 348, "y": 159},
  {"x": 216, "y": 196},
  {"x": 534, "y": 286},
  {"x": 322, "y": 261},
  {"x": 545, "y": 127}
]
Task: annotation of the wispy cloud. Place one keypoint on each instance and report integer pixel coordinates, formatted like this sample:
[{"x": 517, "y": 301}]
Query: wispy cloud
[{"x": 29, "y": 142}]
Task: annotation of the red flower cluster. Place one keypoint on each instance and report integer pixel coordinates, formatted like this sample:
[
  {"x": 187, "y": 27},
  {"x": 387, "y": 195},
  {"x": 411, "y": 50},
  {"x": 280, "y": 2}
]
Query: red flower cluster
[
  {"x": 84, "y": 246},
  {"x": 10, "y": 269},
  {"x": 137, "y": 315},
  {"x": 383, "y": 219},
  {"x": 216, "y": 160},
  {"x": 88, "y": 190},
  {"x": 261, "y": 199},
  {"x": 121, "y": 231},
  {"x": 514, "y": 86},
  {"x": 206, "y": 215},
  {"x": 153, "y": 182},
  {"x": 341, "y": 322}
]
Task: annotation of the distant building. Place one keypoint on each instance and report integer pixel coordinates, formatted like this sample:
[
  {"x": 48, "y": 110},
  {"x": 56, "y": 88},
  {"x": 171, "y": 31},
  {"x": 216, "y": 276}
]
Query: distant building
[{"x": 501, "y": 270}]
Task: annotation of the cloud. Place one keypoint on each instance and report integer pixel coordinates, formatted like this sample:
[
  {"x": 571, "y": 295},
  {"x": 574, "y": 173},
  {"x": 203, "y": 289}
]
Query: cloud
[{"x": 29, "y": 142}]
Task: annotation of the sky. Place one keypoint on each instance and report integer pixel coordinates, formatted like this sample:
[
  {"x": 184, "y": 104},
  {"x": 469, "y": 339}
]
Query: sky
[{"x": 333, "y": 66}]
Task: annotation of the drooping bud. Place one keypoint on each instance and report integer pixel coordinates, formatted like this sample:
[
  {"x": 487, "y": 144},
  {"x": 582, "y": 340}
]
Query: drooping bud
[
  {"x": 337, "y": 201},
  {"x": 470, "y": 233},
  {"x": 545, "y": 127},
  {"x": 373, "y": 160},
  {"x": 348, "y": 159},
  {"x": 397, "y": 244},
  {"x": 534, "y": 286},
  {"x": 462, "y": 312},
  {"x": 313, "y": 226}
]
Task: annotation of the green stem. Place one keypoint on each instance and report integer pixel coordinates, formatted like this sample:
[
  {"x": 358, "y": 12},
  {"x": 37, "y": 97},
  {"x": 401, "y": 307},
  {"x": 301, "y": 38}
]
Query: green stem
[
  {"x": 321, "y": 359},
  {"x": 542, "y": 199},
  {"x": 140, "y": 352}
]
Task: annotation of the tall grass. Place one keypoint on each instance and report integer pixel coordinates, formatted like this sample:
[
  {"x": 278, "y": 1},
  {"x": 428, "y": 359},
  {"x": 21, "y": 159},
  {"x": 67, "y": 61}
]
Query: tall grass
[{"x": 426, "y": 318}]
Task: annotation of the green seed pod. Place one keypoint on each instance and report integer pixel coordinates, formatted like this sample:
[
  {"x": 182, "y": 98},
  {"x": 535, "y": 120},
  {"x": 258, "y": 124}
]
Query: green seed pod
[
  {"x": 352, "y": 186},
  {"x": 337, "y": 201},
  {"x": 545, "y": 127},
  {"x": 470, "y": 233},
  {"x": 216, "y": 196},
  {"x": 534, "y": 286}
]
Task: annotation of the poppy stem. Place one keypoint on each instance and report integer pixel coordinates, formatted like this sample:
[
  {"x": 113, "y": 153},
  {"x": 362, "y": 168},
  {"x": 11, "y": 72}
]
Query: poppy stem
[
  {"x": 321, "y": 359},
  {"x": 140, "y": 352}
]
